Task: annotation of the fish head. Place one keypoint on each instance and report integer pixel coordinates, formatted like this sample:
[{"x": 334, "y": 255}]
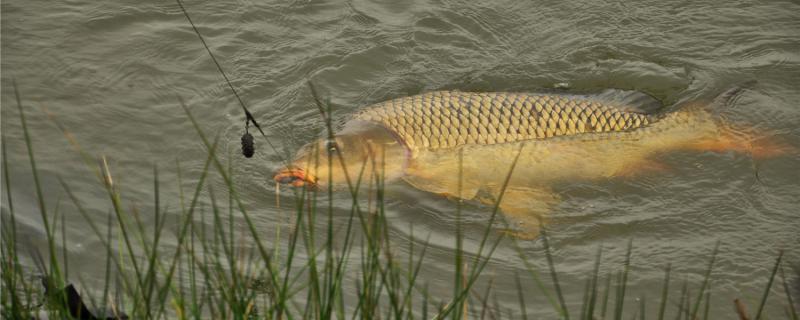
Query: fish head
[
  {"x": 350, "y": 154},
  {"x": 326, "y": 160}
]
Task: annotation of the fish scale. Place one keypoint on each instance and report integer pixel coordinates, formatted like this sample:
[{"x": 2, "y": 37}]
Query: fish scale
[{"x": 449, "y": 119}]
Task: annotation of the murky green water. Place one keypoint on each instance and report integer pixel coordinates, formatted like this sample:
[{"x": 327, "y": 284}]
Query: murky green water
[{"x": 110, "y": 72}]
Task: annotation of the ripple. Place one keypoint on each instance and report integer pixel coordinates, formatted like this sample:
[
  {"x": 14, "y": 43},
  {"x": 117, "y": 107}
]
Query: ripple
[{"x": 110, "y": 72}]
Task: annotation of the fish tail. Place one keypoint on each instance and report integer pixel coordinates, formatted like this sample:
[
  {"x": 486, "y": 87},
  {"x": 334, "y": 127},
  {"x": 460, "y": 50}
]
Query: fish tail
[
  {"x": 726, "y": 136},
  {"x": 748, "y": 141}
]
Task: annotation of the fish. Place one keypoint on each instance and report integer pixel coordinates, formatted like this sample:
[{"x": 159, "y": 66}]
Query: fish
[{"x": 509, "y": 149}]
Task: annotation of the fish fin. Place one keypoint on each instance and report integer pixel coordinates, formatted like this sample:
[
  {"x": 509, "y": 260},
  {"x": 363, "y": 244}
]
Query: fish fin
[
  {"x": 727, "y": 136},
  {"x": 629, "y": 101},
  {"x": 525, "y": 209},
  {"x": 756, "y": 145},
  {"x": 759, "y": 144},
  {"x": 770, "y": 147},
  {"x": 643, "y": 167}
]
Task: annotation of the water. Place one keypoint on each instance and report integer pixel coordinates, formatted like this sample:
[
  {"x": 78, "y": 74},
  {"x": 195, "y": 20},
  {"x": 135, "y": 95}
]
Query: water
[{"x": 110, "y": 73}]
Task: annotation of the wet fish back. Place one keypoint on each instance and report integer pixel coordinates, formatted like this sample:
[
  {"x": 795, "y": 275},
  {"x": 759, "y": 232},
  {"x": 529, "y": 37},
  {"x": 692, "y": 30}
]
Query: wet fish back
[{"x": 448, "y": 119}]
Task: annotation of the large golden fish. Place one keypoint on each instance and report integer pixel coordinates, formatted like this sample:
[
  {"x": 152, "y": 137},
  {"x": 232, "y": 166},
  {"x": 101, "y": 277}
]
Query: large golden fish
[{"x": 463, "y": 144}]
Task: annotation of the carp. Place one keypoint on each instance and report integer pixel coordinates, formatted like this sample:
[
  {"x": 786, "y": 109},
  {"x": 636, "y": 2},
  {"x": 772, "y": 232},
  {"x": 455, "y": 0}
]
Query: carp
[{"x": 464, "y": 144}]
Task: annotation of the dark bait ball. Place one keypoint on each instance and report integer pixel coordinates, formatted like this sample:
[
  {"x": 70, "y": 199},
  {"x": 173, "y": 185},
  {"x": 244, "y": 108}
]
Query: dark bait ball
[{"x": 248, "y": 148}]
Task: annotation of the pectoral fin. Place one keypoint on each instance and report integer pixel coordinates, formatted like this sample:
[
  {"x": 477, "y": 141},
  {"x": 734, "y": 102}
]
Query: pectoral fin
[{"x": 524, "y": 209}]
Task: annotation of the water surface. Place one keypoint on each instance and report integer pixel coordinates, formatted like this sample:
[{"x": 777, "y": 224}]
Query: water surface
[{"x": 110, "y": 72}]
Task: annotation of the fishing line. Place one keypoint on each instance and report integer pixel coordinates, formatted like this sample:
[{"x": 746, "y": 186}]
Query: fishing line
[{"x": 248, "y": 146}]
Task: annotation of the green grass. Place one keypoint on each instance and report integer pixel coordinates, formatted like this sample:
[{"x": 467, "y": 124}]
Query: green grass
[{"x": 349, "y": 271}]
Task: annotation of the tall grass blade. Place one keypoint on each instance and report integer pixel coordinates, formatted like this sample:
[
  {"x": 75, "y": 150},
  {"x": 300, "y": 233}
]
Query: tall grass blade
[
  {"x": 536, "y": 278},
  {"x": 109, "y": 258},
  {"x": 458, "y": 285},
  {"x": 708, "y": 303},
  {"x": 114, "y": 197},
  {"x": 642, "y": 308},
  {"x": 55, "y": 274},
  {"x": 706, "y": 279},
  {"x": 11, "y": 272},
  {"x": 769, "y": 286},
  {"x": 595, "y": 279},
  {"x": 553, "y": 274},
  {"x": 606, "y": 293},
  {"x": 521, "y": 298},
  {"x": 664, "y": 292},
  {"x": 587, "y": 287},
  {"x": 683, "y": 304},
  {"x": 64, "y": 247},
  {"x": 622, "y": 286},
  {"x": 789, "y": 299}
]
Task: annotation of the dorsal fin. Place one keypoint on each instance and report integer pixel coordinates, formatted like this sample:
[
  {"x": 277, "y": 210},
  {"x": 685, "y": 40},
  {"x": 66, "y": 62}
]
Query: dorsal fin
[{"x": 628, "y": 100}]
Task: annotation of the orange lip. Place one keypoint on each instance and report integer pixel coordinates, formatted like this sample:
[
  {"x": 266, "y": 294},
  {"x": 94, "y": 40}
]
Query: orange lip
[{"x": 295, "y": 177}]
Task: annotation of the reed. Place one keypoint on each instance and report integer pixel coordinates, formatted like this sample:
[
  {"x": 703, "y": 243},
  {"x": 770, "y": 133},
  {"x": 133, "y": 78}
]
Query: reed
[
  {"x": 790, "y": 306},
  {"x": 664, "y": 293},
  {"x": 769, "y": 286},
  {"x": 706, "y": 280}
]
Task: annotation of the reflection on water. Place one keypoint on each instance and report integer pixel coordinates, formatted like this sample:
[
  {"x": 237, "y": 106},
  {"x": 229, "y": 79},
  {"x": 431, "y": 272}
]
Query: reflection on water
[{"x": 109, "y": 71}]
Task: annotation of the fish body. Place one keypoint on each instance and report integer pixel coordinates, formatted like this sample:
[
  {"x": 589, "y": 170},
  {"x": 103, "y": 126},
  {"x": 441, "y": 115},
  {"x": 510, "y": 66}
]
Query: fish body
[
  {"x": 463, "y": 144},
  {"x": 560, "y": 137},
  {"x": 448, "y": 119}
]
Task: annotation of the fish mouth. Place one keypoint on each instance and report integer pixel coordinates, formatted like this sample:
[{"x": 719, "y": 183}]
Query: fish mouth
[{"x": 296, "y": 177}]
